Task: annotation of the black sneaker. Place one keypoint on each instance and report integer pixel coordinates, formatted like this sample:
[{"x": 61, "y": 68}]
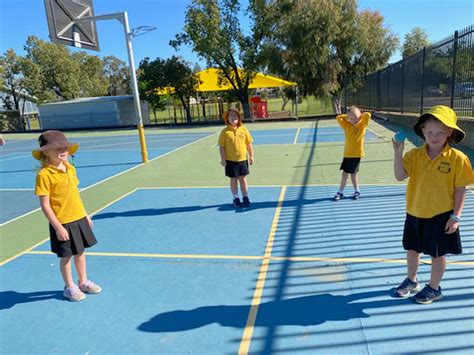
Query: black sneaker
[
  {"x": 338, "y": 196},
  {"x": 428, "y": 295},
  {"x": 245, "y": 202},
  {"x": 356, "y": 195},
  {"x": 406, "y": 288},
  {"x": 236, "y": 202}
]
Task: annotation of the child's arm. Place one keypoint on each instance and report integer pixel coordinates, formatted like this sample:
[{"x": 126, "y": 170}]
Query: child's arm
[
  {"x": 399, "y": 170},
  {"x": 222, "y": 153},
  {"x": 61, "y": 232},
  {"x": 250, "y": 150},
  {"x": 459, "y": 198}
]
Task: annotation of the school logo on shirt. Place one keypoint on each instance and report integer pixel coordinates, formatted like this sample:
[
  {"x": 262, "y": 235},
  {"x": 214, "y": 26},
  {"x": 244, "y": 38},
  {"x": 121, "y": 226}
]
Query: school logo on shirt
[{"x": 444, "y": 167}]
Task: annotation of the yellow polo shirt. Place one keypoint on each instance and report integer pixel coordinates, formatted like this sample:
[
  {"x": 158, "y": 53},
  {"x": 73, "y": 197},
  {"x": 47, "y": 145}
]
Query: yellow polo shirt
[
  {"x": 61, "y": 187},
  {"x": 235, "y": 142},
  {"x": 432, "y": 183},
  {"x": 354, "y": 144}
]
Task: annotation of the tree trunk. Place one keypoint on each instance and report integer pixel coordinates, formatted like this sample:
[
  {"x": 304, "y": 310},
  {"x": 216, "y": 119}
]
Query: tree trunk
[{"x": 337, "y": 104}]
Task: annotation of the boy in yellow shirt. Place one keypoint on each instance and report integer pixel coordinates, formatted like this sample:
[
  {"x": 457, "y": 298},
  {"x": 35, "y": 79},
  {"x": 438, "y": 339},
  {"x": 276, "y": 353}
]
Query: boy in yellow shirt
[
  {"x": 438, "y": 175},
  {"x": 235, "y": 143},
  {"x": 354, "y": 125}
]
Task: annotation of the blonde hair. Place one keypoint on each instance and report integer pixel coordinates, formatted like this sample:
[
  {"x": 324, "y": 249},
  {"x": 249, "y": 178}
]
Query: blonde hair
[{"x": 354, "y": 109}]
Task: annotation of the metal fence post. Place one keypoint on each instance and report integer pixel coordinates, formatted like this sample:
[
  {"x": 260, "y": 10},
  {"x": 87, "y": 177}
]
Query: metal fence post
[
  {"x": 403, "y": 85},
  {"x": 422, "y": 80},
  {"x": 453, "y": 76}
]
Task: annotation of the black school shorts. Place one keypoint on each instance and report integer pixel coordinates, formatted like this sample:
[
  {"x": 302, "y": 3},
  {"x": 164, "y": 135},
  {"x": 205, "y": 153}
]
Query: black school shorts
[
  {"x": 236, "y": 168},
  {"x": 427, "y": 236},
  {"x": 80, "y": 237},
  {"x": 350, "y": 165}
]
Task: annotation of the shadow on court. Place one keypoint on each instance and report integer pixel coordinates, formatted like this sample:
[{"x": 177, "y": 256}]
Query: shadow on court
[
  {"x": 226, "y": 207},
  {"x": 9, "y": 299}
]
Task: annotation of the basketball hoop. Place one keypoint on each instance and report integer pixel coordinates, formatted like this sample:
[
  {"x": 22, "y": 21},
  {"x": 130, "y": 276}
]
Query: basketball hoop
[{"x": 141, "y": 30}]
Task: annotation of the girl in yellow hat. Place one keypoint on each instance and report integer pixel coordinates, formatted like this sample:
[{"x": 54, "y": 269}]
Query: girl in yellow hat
[
  {"x": 69, "y": 224},
  {"x": 438, "y": 175}
]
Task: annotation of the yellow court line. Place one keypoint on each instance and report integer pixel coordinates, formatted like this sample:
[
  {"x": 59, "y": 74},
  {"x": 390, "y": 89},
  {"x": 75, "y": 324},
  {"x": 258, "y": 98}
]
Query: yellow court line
[
  {"x": 164, "y": 256},
  {"x": 296, "y": 136},
  {"x": 251, "y": 257},
  {"x": 262, "y": 275},
  {"x": 30, "y": 250}
]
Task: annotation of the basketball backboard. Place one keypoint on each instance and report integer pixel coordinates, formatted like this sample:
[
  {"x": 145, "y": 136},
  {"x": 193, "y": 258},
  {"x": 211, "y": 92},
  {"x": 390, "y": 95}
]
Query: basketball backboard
[{"x": 62, "y": 29}]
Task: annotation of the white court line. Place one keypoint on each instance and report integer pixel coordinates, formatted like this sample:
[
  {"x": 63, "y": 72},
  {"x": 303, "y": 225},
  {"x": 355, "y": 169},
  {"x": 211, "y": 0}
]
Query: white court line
[
  {"x": 12, "y": 158},
  {"x": 113, "y": 176}
]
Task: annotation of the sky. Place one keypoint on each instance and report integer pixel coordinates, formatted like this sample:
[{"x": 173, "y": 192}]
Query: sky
[{"x": 22, "y": 18}]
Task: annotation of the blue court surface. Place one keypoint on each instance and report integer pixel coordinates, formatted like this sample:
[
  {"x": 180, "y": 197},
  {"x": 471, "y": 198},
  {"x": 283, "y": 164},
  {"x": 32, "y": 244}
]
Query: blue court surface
[
  {"x": 98, "y": 158},
  {"x": 296, "y": 273},
  {"x": 303, "y": 135}
]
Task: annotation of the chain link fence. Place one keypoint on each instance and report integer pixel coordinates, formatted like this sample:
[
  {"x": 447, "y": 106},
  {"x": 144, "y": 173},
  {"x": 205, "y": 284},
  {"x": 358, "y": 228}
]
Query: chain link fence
[{"x": 441, "y": 74}]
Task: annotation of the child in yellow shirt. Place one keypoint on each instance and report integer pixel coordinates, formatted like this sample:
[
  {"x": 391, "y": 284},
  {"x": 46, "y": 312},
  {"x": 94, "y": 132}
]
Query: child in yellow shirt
[
  {"x": 354, "y": 125},
  {"x": 236, "y": 152},
  {"x": 438, "y": 175},
  {"x": 69, "y": 224}
]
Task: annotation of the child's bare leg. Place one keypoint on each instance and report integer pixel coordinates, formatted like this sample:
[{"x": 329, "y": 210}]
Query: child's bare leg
[
  {"x": 355, "y": 181},
  {"x": 233, "y": 186},
  {"x": 413, "y": 261},
  {"x": 344, "y": 177},
  {"x": 244, "y": 185},
  {"x": 438, "y": 265},
  {"x": 65, "y": 267},
  {"x": 80, "y": 263}
]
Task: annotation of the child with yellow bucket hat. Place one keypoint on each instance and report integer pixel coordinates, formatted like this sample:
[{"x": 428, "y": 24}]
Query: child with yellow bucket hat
[
  {"x": 69, "y": 224},
  {"x": 438, "y": 175}
]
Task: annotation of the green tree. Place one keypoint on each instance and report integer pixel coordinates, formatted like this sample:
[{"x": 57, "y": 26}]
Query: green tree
[
  {"x": 57, "y": 73},
  {"x": 173, "y": 72},
  {"x": 118, "y": 76},
  {"x": 327, "y": 45},
  {"x": 92, "y": 80},
  {"x": 11, "y": 77},
  {"x": 212, "y": 28},
  {"x": 414, "y": 41}
]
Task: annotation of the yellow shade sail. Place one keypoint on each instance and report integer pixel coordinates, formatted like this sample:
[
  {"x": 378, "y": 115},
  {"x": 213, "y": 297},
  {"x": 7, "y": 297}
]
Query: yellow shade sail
[{"x": 209, "y": 81}]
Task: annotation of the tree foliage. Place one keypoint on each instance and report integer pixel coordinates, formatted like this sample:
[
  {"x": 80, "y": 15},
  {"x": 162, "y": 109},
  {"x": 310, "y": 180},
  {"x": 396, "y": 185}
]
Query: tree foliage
[
  {"x": 11, "y": 78},
  {"x": 213, "y": 30},
  {"x": 160, "y": 73},
  {"x": 118, "y": 76},
  {"x": 326, "y": 45},
  {"x": 414, "y": 41},
  {"x": 52, "y": 72}
]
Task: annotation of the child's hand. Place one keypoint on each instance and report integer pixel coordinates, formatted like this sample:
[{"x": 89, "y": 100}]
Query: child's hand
[
  {"x": 223, "y": 162},
  {"x": 62, "y": 234},
  {"x": 251, "y": 160},
  {"x": 398, "y": 146},
  {"x": 89, "y": 220},
  {"x": 451, "y": 226}
]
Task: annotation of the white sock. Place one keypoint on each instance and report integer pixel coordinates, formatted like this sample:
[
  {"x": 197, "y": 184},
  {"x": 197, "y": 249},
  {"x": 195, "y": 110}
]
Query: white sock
[{"x": 236, "y": 196}]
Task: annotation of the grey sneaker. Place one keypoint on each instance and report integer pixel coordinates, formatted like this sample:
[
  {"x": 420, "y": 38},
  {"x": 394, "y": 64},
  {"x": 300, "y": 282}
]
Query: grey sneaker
[
  {"x": 356, "y": 195},
  {"x": 90, "y": 287},
  {"x": 406, "y": 288},
  {"x": 73, "y": 294},
  {"x": 428, "y": 295}
]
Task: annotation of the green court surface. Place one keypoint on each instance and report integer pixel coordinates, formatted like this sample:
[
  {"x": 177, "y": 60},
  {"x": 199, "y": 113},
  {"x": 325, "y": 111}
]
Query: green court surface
[{"x": 184, "y": 272}]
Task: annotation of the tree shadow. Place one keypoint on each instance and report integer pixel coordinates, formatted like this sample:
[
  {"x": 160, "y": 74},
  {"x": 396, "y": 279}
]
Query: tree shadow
[{"x": 9, "y": 299}]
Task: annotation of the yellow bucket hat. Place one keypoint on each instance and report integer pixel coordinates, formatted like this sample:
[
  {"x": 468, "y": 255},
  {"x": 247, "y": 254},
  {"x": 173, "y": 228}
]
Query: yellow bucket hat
[
  {"x": 53, "y": 139},
  {"x": 445, "y": 115}
]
